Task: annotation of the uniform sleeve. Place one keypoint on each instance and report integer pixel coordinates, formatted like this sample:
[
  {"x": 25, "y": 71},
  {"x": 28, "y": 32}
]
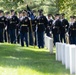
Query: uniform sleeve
[
  {"x": 17, "y": 20},
  {"x": 6, "y": 21},
  {"x": 45, "y": 22}
]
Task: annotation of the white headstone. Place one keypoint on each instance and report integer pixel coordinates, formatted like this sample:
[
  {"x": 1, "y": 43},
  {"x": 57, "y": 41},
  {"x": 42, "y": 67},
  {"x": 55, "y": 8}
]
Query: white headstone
[
  {"x": 50, "y": 45},
  {"x": 75, "y": 61},
  {"x": 58, "y": 51},
  {"x": 45, "y": 37},
  {"x": 67, "y": 56},
  {"x": 72, "y": 59},
  {"x": 63, "y": 53}
]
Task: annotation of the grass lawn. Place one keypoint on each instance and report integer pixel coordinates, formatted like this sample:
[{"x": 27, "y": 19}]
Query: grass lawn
[{"x": 16, "y": 60}]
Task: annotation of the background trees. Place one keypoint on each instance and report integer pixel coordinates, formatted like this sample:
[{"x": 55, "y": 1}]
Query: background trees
[{"x": 49, "y": 6}]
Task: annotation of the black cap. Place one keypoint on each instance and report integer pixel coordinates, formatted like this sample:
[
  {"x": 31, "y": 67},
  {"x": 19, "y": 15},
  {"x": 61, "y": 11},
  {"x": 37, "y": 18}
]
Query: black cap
[
  {"x": 57, "y": 15},
  {"x": 7, "y": 13},
  {"x": 74, "y": 17},
  {"x": 24, "y": 10},
  {"x": 49, "y": 15},
  {"x": 63, "y": 14},
  {"x": 20, "y": 12},
  {"x": 33, "y": 11},
  {"x": 40, "y": 11},
  {"x": 71, "y": 16},
  {"x": 12, "y": 11},
  {"x": 1, "y": 11}
]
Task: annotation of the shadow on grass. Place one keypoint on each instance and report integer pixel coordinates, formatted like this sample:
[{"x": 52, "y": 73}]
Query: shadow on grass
[{"x": 39, "y": 60}]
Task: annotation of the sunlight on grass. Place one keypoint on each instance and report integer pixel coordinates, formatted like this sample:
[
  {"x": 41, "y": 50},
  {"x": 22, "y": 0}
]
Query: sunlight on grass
[{"x": 17, "y": 60}]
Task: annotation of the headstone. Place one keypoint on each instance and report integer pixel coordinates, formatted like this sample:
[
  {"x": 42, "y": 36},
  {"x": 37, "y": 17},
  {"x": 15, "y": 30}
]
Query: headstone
[
  {"x": 63, "y": 53},
  {"x": 67, "y": 56},
  {"x": 58, "y": 51},
  {"x": 72, "y": 59},
  {"x": 45, "y": 38},
  {"x": 50, "y": 44},
  {"x": 75, "y": 61}
]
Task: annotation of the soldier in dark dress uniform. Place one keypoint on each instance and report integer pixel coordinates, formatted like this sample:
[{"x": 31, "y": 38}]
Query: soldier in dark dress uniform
[
  {"x": 24, "y": 25},
  {"x": 7, "y": 26},
  {"x": 18, "y": 27},
  {"x": 3, "y": 22},
  {"x": 49, "y": 27},
  {"x": 42, "y": 24},
  {"x": 31, "y": 14},
  {"x": 64, "y": 28},
  {"x": 12, "y": 27},
  {"x": 72, "y": 30},
  {"x": 34, "y": 24},
  {"x": 56, "y": 28}
]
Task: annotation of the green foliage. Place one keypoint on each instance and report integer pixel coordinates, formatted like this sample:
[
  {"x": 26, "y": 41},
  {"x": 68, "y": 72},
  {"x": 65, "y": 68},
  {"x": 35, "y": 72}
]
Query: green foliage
[{"x": 49, "y": 6}]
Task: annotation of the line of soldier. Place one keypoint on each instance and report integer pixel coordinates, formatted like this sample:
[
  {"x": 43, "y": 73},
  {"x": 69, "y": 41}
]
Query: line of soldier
[
  {"x": 61, "y": 29},
  {"x": 31, "y": 28},
  {"x": 26, "y": 28}
]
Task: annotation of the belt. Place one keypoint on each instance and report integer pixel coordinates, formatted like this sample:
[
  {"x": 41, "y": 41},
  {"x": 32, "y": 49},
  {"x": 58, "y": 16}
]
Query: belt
[
  {"x": 74, "y": 29},
  {"x": 24, "y": 25},
  {"x": 12, "y": 22},
  {"x": 40, "y": 23},
  {"x": 55, "y": 27}
]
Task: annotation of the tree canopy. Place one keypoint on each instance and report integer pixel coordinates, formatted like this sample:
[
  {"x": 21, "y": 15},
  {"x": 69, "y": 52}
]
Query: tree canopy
[{"x": 49, "y": 6}]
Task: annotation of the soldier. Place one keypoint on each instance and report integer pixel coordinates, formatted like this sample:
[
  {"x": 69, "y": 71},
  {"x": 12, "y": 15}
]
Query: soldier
[
  {"x": 72, "y": 30},
  {"x": 12, "y": 27},
  {"x": 70, "y": 24},
  {"x": 42, "y": 24},
  {"x": 18, "y": 28},
  {"x": 24, "y": 25},
  {"x": 49, "y": 27},
  {"x": 7, "y": 26},
  {"x": 32, "y": 25},
  {"x": 56, "y": 28},
  {"x": 64, "y": 27},
  {"x": 3, "y": 22}
]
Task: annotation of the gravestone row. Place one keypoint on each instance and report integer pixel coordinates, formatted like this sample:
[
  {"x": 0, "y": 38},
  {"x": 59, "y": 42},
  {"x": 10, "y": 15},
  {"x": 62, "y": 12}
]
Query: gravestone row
[{"x": 67, "y": 55}]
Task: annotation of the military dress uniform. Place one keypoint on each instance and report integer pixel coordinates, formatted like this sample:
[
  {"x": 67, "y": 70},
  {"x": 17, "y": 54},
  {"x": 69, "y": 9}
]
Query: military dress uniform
[
  {"x": 18, "y": 31},
  {"x": 24, "y": 25},
  {"x": 49, "y": 28},
  {"x": 56, "y": 30},
  {"x": 32, "y": 32},
  {"x": 3, "y": 22},
  {"x": 72, "y": 33},
  {"x": 13, "y": 21},
  {"x": 63, "y": 29},
  {"x": 41, "y": 26}
]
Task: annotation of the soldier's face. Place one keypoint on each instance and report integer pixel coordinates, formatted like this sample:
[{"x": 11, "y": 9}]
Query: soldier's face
[
  {"x": 1, "y": 14},
  {"x": 12, "y": 13},
  {"x": 7, "y": 15},
  {"x": 20, "y": 15},
  {"x": 57, "y": 17},
  {"x": 74, "y": 20},
  {"x": 25, "y": 14},
  {"x": 34, "y": 14},
  {"x": 71, "y": 19},
  {"x": 49, "y": 17},
  {"x": 61, "y": 17}
]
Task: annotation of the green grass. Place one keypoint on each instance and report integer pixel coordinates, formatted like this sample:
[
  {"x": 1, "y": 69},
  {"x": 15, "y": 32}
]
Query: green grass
[{"x": 16, "y": 60}]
